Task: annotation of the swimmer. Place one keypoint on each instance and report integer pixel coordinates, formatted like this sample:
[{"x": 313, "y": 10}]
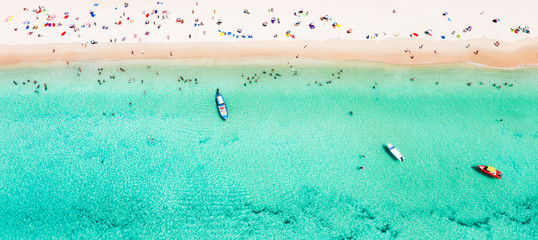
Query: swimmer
[{"x": 351, "y": 113}]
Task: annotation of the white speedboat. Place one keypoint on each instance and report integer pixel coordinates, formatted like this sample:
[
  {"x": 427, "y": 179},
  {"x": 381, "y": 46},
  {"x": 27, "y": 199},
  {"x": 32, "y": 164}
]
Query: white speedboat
[{"x": 395, "y": 152}]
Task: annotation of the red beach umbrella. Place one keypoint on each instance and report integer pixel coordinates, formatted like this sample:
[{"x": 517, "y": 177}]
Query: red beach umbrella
[
  {"x": 63, "y": 33},
  {"x": 66, "y": 16},
  {"x": 415, "y": 34}
]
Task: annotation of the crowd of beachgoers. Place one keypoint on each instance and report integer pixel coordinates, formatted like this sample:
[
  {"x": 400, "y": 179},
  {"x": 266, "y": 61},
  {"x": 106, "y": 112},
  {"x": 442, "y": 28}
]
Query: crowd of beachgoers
[
  {"x": 107, "y": 23},
  {"x": 102, "y": 22}
]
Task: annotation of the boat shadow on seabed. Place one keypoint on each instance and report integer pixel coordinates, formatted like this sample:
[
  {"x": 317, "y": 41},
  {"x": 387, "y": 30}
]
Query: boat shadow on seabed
[{"x": 477, "y": 169}]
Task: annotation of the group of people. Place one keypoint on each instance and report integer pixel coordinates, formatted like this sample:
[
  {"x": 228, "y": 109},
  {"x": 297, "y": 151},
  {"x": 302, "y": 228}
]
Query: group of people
[{"x": 27, "y": 82}]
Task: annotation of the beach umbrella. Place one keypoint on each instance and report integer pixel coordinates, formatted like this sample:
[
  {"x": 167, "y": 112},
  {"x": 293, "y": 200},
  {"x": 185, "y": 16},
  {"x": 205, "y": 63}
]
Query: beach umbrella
[
  {"x": 63, "y": 33},
  {"x": 415, "y": 34}
]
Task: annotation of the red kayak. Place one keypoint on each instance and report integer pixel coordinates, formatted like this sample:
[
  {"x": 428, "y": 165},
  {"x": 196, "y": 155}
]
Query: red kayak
[{"x": 491, "y": 171}]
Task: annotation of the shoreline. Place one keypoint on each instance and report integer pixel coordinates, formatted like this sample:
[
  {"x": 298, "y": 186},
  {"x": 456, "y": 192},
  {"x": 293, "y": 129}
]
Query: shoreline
[{"x": 391, "y": 51}]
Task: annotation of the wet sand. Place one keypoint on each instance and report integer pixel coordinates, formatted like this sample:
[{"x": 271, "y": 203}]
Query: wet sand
[{"x": 508, "y": 54}]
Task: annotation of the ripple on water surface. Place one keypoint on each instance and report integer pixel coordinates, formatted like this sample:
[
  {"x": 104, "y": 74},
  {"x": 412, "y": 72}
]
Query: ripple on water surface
[{"x": 127, "y": 158}]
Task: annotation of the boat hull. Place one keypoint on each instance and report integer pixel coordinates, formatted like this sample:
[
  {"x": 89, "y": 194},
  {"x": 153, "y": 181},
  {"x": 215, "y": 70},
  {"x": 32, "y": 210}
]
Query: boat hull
[
  {"x": 221, "y": 106},
  {"x": 395, "y": 152},
  {"x": 497, "y": 173}
]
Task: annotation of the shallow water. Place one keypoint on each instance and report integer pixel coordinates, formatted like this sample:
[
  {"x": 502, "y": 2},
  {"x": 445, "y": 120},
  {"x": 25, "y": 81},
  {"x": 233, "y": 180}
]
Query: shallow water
[{"x": 286, "y": 163}]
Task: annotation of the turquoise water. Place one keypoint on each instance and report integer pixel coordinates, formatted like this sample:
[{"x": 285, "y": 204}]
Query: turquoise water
[{"x": 286, "y": 163}]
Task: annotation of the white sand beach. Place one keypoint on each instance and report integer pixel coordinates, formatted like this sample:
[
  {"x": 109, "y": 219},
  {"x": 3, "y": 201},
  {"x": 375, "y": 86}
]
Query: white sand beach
[{"x": 495, "y": 33}]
